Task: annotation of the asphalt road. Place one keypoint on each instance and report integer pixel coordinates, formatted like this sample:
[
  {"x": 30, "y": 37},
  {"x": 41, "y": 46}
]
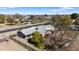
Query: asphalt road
[{"x": 19, "y": 28}]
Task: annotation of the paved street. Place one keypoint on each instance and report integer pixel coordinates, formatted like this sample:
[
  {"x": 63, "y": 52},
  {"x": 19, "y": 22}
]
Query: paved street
[{"x": 5, "y": 28}]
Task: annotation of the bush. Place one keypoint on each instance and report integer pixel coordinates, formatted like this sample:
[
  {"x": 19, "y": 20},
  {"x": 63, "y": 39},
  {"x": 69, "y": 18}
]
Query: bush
[{"x": 37, "y": 40}]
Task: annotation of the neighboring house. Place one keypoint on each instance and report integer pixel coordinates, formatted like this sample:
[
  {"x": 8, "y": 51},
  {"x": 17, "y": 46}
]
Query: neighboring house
[
  {"x": 48, "y": 17},
  {"x": 27, "y": 18},
  {"x": 17, "y": 20}
]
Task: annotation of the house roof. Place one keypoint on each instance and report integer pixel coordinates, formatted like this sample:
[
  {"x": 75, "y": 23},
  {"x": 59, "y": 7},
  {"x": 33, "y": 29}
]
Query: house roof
[{"x": 42, "y": 29}]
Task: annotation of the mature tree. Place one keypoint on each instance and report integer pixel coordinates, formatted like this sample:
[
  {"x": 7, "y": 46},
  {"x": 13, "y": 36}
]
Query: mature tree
[
  {"x": 2, "y": 18},
  {"x": 74, "y": 15},
  {"x": 32, "y": 17},
  {"x": 55, "y": 19},
  {"x": 58, "y": 40},
  {"x": 62, "y": 20},
  {"x": 66, "y": 21},
  {"x": 77, "y": 21},
  {"x": 10, "y": 20},
  {"x": 18, "y": 16},
  {"x": 46, "y": 15},
  {"x": 74, "y": 18}
]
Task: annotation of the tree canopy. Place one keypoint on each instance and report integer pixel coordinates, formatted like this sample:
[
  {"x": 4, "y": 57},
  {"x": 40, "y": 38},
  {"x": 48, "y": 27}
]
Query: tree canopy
[
  {"x": 74, "y": 15},
  {"x": 37, "y": 40},
  {"x": 2, "y": 18}
]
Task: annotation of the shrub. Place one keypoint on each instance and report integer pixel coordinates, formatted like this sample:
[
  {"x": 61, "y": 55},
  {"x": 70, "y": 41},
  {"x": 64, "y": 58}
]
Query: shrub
[{"x": 37, "y": 40}]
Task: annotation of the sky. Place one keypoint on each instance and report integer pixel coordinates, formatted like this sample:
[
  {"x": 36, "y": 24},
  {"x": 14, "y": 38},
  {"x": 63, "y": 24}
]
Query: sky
[{"x": 39, "y": 10}]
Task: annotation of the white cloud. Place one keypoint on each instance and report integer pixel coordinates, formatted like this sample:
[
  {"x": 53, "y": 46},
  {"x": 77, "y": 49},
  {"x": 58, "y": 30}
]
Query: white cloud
[
  {"x": 66, "y": 8},
  {"x": 61, "y": 9},
  {"x": 3, "y": 8},
  {"x": 11, "y": 7}
]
